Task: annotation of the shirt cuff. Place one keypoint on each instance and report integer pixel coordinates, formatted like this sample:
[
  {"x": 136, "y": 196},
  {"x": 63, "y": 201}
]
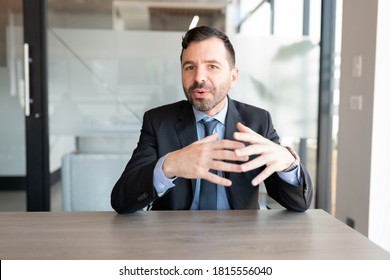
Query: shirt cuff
[
  {"x": 160, "y": 181},
  {"x": 292, "y": 177}
]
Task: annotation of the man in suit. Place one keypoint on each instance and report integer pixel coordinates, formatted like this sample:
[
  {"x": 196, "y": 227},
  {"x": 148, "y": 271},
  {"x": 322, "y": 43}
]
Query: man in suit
[{"x": 174, "y": 163}]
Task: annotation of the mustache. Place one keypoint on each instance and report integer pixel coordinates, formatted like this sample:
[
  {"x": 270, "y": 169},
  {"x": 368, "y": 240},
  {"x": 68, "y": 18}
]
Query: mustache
[{"x": 197, "y": 85}]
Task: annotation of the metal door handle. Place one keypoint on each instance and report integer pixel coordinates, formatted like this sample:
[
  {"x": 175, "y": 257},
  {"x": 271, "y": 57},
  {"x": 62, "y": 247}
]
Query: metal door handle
[{"x": 26, "y": 80}]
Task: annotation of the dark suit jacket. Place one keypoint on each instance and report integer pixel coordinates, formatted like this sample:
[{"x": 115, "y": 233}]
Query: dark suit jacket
[{"x": 172, "y": 127}]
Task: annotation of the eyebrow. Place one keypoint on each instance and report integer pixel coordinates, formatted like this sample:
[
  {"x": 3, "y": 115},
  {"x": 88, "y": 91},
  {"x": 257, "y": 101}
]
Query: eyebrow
[{"x": 210, "y": 61}]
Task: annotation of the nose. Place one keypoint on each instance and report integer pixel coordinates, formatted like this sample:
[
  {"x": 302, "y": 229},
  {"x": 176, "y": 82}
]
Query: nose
[{"x": 201, "y": 75}]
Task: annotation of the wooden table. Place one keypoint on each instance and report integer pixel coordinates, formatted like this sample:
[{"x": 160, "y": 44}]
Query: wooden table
[{"x": 186, "y": 235}]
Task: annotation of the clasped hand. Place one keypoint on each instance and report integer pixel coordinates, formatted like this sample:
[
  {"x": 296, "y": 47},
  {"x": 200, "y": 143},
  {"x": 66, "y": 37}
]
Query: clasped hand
[{"x": 197, "y": 159}]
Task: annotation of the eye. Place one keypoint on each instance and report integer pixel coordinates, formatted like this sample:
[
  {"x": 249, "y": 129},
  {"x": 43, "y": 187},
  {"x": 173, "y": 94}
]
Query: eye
[
  {"x": 189, "y": 68},
  {"x": 213, "y": 66}
]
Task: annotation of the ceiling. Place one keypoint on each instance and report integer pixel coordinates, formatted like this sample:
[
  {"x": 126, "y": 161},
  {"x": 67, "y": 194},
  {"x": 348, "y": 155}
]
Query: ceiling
[{"x": 131, "y": 14}]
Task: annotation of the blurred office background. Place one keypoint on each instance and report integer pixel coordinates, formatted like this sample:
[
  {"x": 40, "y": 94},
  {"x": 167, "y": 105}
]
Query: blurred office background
[{"x": 95, "y": 66}]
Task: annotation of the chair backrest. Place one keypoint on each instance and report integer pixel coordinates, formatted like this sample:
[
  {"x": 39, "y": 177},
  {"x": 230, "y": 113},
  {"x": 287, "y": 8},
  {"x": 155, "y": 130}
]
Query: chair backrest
[{"x": 87, "y": 180}]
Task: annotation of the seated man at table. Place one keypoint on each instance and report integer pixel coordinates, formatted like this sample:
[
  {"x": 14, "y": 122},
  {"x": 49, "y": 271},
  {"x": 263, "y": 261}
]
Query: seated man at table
[{"x": 179, "y": 164}]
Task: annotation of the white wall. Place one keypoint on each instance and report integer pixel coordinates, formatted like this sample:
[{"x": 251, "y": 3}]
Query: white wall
[
  {"x": 379, "y": 217},
  {"x": 363, "y": 162}
]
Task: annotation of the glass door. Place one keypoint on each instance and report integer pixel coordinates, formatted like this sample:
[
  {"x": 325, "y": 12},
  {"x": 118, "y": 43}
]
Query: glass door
[
  {"x": 24, "y": 172},
  {"x": 12, "y": 120}
]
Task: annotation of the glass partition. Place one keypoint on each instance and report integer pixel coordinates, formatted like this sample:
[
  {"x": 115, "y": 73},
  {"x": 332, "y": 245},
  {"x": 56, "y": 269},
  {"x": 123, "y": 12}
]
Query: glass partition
[
  {"x": 12, "y": 147},
  {"x": 12, "y": 120},
  {"x": 102, "y": 81}
]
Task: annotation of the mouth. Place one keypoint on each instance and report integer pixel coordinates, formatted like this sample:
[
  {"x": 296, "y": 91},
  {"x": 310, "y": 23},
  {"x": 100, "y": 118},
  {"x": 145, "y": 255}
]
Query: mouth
[{"x": 200, "y": 92}]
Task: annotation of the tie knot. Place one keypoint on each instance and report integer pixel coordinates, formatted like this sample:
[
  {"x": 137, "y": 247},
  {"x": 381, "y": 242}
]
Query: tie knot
[{"x": 209, "y": 126}]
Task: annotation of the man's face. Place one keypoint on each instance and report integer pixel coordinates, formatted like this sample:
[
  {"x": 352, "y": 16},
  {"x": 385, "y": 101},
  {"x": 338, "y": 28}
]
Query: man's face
[{"x": 206, "y": 75}]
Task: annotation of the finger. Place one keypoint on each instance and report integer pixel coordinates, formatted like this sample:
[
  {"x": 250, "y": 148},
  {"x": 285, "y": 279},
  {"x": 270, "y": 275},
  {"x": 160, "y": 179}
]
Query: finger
[
  {"x": 209, "y": 138},
  {"x": 227, "y": 144},
  {"x": 225, "y": 166},
  {"x": 252, "y": 138},
  {"x": 255, "y": 163},
  {"x": 255, "y": 149},
  {"x": 246, "y": 134},
  {"x": 262, "y": 176},
  {"x": 228, "y": 155},
  {"x": 210, "y": 142},
  {"x": 214, "y": 178},
  {"x": 243, "y": 128}
]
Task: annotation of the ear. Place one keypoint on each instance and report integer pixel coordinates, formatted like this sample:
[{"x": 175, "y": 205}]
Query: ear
[{"x": 233, "y": 77}]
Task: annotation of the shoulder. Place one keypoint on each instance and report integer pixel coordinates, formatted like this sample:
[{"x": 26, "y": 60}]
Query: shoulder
[
  {"x": 167, "y": 110},
  {"x": 258, "y": 119},
  {"x": 169, "y": 114},
  {"x": 169, "y": 107},
  {"x": 245, "y": 109}
]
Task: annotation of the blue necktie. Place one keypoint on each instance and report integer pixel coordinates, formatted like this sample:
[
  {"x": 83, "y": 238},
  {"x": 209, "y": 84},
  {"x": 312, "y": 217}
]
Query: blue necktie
[{"x": 208, "y": 190}]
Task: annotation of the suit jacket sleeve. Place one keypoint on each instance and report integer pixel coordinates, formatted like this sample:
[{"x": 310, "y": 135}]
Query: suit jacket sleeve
[{"x": 295, "y": 198}]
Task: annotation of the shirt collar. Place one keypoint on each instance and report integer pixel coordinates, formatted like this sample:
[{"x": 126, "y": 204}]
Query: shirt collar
[{"x": 220, "y": 116}]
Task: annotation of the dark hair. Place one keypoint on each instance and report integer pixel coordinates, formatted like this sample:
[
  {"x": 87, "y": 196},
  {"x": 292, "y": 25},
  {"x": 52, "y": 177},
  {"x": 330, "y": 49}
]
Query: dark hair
[{"x": 201, "y": 33}]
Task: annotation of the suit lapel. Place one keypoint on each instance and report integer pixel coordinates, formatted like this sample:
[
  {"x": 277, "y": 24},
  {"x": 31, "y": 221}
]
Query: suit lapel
[
  {"x": 232, "y": 117},
  {"x": 186, "y": 130},
  {"x": 185, "y": 127}
]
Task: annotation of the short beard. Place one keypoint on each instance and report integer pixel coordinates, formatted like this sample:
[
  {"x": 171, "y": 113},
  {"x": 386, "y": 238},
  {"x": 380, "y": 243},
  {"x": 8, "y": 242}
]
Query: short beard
[{"x": 203, "y": 105}]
